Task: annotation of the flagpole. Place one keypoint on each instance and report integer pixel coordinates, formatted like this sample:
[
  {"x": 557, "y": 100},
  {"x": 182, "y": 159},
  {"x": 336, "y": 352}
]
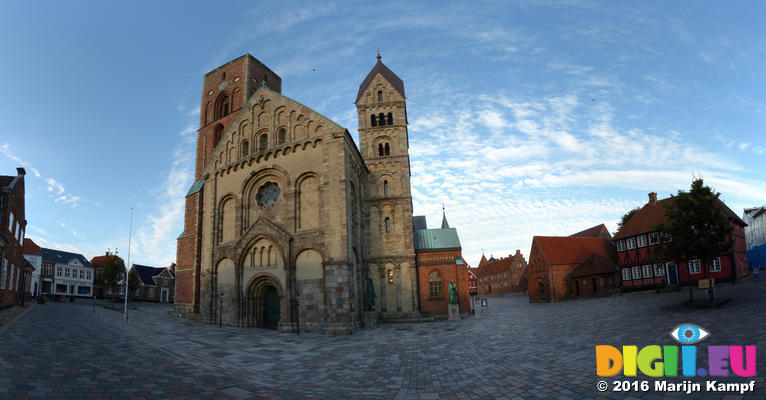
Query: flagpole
[{"x": 125, "y": 281}]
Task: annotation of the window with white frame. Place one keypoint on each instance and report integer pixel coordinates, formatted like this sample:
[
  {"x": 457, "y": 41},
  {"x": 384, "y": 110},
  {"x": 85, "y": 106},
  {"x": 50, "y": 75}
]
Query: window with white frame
[
  {"x": 694, "y": 266},
  {"x": 636, "y": 272},
  {"x": 654, "y": 238},
  {"x": 659, "y": 269},
  {"x": 10, "y": 222},
  {"x": 66, "y": 272},
  {"x": 641, "y": 239},
  {"x": 626, "y": 274},
  {"x": 151, "y": 292},
  {"x": 667, "y": 237},
  {"x": 647, "y": 271},
  {"x": 620, "y": 245},
  {"x": 716, "y": 265},
  {"x": 82, "y": 274},
  {"x": 631, "y": 243},
  {"x": 13, "y": 275},
  {"x": 87, "y": 276},
  {"x": 58, "y": 271}
]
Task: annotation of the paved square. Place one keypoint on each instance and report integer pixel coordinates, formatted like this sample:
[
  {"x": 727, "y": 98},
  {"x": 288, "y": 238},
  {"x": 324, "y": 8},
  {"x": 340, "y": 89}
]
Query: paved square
[{"x": 515, "y": 350}]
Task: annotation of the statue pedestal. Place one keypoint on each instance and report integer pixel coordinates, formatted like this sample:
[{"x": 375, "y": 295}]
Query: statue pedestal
[
  {"x": 370, "y": 319},
  {"x": 453, "y": 310}
]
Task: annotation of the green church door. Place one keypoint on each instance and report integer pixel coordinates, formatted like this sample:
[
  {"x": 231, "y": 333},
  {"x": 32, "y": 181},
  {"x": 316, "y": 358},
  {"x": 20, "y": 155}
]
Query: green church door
[{"x": 270, "y": 307}]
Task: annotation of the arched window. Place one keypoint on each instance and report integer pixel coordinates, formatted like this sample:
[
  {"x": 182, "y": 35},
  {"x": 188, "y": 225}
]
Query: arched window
[
  {"x": 382, "y": 119},
  {"x": 388, "y": 225},
  {"x": 244, "y": 148},
  {"x": 218, "y": 134},
  {"x": 380, "y": 149},
  {"x": 380, "y": 95},
  {"x": 387, "y": 150},
  {"x": 385, "y": 188},
  {"x": 263, "y": 142},
  {"x": 390, "y": 118},
  {"x": 373, "y": 120},
  {"x": 223, "y": 107},
  {"x": 435, "y": 285},
  {"x": 281, "y": 136}
]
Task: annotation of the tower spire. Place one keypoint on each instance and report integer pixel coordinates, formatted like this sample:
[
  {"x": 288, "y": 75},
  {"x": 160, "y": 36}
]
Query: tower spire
[{"x": 445, "y": 225}]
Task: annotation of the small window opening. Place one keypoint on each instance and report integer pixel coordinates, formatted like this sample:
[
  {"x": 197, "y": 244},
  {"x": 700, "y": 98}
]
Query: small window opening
[
  {"x": 382, "y": 119},
  {"x": 380, "y": 149},
  {"x": 281, "y": 136},
  {"x": 373, "y": 120},
  {"x": 245, "y": 149},
  {"x": 390, "y": 118},
  {"x": 385, "y": 188},
  {"x": 380, "y": 95},
  {"x": 388, "y": 225},
  {"x": 388, "y": 150},
  {"x": 263, "y": 142},
  {"x": 223, "y": 76}
]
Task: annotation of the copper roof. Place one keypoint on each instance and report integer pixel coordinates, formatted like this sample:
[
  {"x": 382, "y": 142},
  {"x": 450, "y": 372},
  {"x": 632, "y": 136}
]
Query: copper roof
[
  {"x": 387, "y": 74},
  {"x": 653, "y": 214},
  {"x": 560, "y": 250},
  {"x": 598, "y": 231}
]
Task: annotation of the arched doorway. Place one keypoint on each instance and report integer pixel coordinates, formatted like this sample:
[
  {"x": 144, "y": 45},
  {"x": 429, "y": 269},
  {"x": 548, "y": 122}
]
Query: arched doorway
[
  {"x": 270, "y": 315},
  {"x": 264, "y": 304}
]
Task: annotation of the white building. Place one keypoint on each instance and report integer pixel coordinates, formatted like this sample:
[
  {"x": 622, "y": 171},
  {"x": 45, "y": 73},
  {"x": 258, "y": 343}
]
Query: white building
[
  {"x": 72, "y": 273},
  {"x": 755, "y": 235},
  {"x": 34, "y": 255}
]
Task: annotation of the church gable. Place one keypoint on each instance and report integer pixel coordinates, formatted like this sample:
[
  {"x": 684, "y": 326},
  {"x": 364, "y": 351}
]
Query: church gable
[{"x": 270, "y": 125}]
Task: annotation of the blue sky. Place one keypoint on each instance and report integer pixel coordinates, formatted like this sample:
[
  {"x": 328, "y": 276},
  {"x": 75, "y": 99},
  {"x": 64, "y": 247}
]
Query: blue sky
[{"x": 526, "y": 118}]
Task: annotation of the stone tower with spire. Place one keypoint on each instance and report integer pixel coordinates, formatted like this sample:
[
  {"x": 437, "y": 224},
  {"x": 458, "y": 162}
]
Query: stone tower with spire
[{"x": 384, "y": 146}]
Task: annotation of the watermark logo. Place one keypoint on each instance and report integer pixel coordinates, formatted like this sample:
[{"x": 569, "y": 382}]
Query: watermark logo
[{"x": 659, "y": 361}]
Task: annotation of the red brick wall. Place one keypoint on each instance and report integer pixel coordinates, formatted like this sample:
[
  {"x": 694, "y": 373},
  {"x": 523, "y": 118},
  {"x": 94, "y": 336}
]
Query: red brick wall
[
  {"x": 438, "y": 261},
  {"x": 13, "y": 252}
]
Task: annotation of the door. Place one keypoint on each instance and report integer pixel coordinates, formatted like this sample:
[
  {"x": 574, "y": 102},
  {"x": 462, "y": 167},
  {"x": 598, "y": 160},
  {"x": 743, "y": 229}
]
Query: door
[
  {"x": 164, "y": 296},
  {"x": 270, "y": 308},
  {"x": 672, "y": 274},
  {"x": 595, "y": 287}
]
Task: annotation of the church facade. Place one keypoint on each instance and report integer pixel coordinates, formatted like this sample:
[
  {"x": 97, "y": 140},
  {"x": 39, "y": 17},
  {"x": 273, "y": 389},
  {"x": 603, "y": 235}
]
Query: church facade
[{"x": 287, "y": 218}]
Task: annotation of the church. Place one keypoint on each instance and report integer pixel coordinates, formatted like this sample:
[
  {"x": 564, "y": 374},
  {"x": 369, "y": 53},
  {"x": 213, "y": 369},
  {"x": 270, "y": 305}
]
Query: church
[{"x": 288, "y": 222}]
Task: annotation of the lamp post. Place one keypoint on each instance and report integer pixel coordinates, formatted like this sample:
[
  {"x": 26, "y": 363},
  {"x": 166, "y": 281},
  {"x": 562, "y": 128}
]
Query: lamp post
[
  {"x": 220, "y": 310},
  {"x": 125, "y": 280}
]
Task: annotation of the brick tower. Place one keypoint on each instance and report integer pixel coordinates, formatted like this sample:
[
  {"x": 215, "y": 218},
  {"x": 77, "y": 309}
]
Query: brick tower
[{"x": 384, "y": 145}]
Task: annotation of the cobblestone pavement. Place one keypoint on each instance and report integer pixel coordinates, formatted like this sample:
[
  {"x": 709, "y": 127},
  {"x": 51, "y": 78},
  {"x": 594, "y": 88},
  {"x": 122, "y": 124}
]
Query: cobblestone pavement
[{"x": 515, "y": 350}]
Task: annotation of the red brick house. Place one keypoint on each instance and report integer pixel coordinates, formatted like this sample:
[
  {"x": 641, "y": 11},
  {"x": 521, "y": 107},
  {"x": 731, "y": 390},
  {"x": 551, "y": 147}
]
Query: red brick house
[
  {"x": 562, "y": 267},
  {"x": 156, "y": 284},
  {"x": 99, "y": 262},
  {"x": 636, "y": 256},
  {"x": 439, "y": 260},
  {"x": 472, "y": 281},
  {"x": 502, "y": 275},
  {"x": 15, "y": 271}
]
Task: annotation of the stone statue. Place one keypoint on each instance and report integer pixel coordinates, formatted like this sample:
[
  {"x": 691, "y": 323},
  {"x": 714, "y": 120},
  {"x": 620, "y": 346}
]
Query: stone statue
[
  {"x": 369, "y": 295},
  {"x": 452, "y": 292}
]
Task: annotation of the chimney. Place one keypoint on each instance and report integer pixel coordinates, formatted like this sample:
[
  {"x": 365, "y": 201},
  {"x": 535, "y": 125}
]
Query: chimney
[
  {"x": 21, "y": 171},
  {"x": 652, "y": 198}
]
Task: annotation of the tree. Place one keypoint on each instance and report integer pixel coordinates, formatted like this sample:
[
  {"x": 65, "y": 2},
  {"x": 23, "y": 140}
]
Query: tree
[
  {"x": 133, "y": 280},
  {"x": 625, "y": 218},
  {"x": 112, "y": 273},
  {"x": 697, "y": 227}
]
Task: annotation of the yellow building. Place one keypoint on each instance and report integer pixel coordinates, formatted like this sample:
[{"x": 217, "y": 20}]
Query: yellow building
[{"x": 287, "y": 219}]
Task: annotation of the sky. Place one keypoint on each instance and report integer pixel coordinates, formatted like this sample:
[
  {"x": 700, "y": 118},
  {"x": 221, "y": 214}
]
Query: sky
[{"x": 525, "y": 118}]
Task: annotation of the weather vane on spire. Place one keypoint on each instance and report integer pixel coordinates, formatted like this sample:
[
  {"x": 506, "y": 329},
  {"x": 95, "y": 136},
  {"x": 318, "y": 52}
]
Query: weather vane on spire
[{"x": 378, "y": 53}]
